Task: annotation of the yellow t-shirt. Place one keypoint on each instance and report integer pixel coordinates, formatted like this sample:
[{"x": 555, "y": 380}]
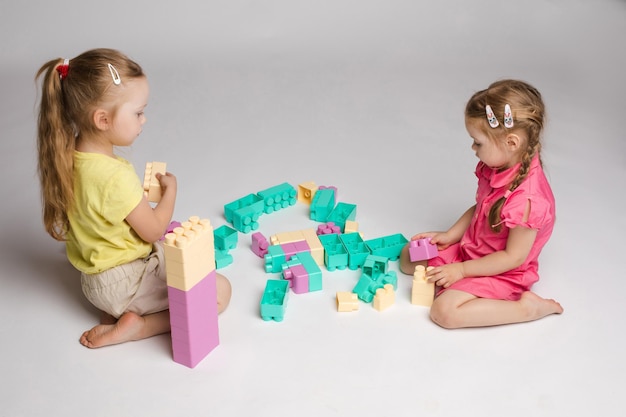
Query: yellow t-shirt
[{"x": 106, "y": 190}]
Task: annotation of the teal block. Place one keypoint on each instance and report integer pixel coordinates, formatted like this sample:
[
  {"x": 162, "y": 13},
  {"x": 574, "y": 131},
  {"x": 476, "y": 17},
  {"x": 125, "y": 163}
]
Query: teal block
[
  {"x": 312, "y": 269},
  {"x": 274, "y": 258},
  {"x": 335, "y": 254},
  {"x": 222, "y": 258},
  {"x": 278, "y": 197},
  {"x": 225, "y": 238},
  {"x": 342, "y": 213},
  {"x": 388, "y": 246},
  {"x": 375, "y": 265},
  {"x": 356, "y": 248},
  {"x": 274, "y": 300},
  {"x": 322, "y": 204}
]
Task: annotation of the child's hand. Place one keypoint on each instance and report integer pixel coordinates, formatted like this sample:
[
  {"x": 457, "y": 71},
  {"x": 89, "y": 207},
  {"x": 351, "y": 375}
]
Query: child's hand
[
  {"x": 441, "y": 239},
  {"x": 446, "y": 275},
  {"x": 167, "y": 181}
]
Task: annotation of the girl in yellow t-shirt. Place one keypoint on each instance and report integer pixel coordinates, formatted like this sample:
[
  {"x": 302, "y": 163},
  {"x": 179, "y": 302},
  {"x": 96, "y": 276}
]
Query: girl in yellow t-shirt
[{"x": 93, "y": 200}]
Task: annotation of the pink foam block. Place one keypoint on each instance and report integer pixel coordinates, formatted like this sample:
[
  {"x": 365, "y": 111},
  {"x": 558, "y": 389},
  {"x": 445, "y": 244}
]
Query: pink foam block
[
  {"x": 422, "y": 249},
  {"x": 193, "y": 318},
  {"x": 298, "y": 278}
]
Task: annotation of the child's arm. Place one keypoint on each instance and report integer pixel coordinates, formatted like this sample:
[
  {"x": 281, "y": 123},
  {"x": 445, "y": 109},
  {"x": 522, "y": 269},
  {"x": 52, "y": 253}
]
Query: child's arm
[
  {"x": 150, "y": 223},
  {"x": 518, "y": 246}
]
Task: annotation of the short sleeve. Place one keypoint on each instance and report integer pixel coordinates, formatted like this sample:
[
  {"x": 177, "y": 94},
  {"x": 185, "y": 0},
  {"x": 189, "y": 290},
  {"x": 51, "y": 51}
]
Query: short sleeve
[
  {"x": 515, "y": 206},
  {"x": 123, "y": 194}
]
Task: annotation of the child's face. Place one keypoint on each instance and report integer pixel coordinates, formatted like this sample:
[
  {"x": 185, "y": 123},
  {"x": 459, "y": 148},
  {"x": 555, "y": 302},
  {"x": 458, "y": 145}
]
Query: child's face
[
  {"x": 492, "y": 153},
  {"x": 129, "y": 118}
]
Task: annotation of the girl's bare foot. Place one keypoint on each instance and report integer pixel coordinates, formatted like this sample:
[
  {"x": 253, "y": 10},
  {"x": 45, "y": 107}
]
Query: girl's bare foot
[
  {"x": 130, "y": 326},
  {"x": 538, "y": 307}
]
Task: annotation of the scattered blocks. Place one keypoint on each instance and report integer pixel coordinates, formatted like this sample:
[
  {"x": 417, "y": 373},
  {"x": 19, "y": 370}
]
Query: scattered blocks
[
  {"x": 385, "y": 297},
  {"x": 347, "y": 301},
  {"x": 423, "y": 292},
  {"x": 274, "y": 300},
  {"x": 151, "y": 185},
  {"x": 422, "y": 249}
]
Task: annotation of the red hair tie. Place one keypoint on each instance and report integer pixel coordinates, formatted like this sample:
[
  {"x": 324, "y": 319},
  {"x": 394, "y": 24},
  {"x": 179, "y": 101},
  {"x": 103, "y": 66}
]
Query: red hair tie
[{"x": 63, "y": 69}]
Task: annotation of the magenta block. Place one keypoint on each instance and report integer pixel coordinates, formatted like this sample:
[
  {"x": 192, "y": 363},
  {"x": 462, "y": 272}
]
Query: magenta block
[
  {"x": 299, "y": 279},
  {"x": 193, "y": 318},
  {"x": 259, "y": 244},
  {"x": 422, "y": 249}
]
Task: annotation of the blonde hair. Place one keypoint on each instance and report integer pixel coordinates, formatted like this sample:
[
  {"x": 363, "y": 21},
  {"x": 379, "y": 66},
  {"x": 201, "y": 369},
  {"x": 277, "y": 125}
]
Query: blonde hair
[
  {"x": 65, "y": 115},
  {"x": 528, "y": 111}
]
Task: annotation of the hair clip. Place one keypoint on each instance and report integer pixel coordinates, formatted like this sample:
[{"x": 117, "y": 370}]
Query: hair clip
[
  {"x": 508, "y": 117},
  {"x": 63, "y": 69},
  {"x": 493, "y": 121},
  {"x": 115, "y": 75}
]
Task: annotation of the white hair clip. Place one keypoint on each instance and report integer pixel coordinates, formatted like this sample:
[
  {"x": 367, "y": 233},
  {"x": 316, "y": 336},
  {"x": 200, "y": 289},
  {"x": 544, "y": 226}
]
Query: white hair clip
[
  {"x": 508, "y": 117},
  {"x": 493, "y": 121},
  {"x": 115, "y": 75}
]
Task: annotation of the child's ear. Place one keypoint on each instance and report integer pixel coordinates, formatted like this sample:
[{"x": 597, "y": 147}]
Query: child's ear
[
  {"x": 101, "y": 119},
  {"x": 513, "y": 142}
]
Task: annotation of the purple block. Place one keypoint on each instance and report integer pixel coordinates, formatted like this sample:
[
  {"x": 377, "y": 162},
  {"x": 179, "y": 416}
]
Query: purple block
[
  {"x": 259, "y": 244},
  {"x": 193, "y": 318},
  {"x": 422, "y": 249},
  {"x": 299, "y": 279}
]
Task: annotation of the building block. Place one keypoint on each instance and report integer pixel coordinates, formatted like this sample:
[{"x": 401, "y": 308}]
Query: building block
[
  {"x": 384, "y": 298},
  {"x": 422, "y": 249},
  {"x": 274, "y": 300},
  {"x": 356, "y": 248},
  {"x": 322, "y": 204},
  {"x": 375, "y": 266},
  {"x": 244, "y": 213},
  {"x": 193, "y": 320},
  {"x": 351, "y": 227},
  {"x": 274, "y": 258},
  {"x": 388, "y": 246},
  {"x": 298, "y": 278},
  {"x": 189, "y": 253},
  {"x": 278, "y": 197},
  {"x": 170, "y": 228},
  {"x": 151, "y": 185},
  {"x": 225, "y": 238},
  {"x": 330, "y": 187},
  {"x": 422, "y": 292},
  {"x": 306, "y": 191},
  {"x": 259, "y": 244},
  {"x": 367, "y": 285},
  {"x": 328, "y": 228},
  {"x": 347, "y": 301},
  {"x": 222, "y": 258},
  {"x": 307, "y": 235},
  {"x": 335, "y": 254},
  {"x": 342, "y": 213},
  {"x": 312, "y": 269}
]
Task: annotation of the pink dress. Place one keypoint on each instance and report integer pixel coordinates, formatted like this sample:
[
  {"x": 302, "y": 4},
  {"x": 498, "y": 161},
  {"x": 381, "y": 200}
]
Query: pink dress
[{"x": 479, "y": 240}]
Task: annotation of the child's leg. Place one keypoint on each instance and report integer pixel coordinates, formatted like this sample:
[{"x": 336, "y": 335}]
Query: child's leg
[
  {"x": 224, "y": 292},
  {"x": 456, "y": 309},
  {"x": 130, "y": 326}
]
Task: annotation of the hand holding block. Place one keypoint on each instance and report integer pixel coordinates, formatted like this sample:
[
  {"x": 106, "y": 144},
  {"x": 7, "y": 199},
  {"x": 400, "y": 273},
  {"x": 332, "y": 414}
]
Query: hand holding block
[
  {"x": 422, "y": 249},
  {"x": 151, "y": 185}
]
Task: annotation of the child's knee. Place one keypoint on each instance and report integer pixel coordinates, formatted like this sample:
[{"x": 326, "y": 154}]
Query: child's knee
[{"x": 224, "y": 292}]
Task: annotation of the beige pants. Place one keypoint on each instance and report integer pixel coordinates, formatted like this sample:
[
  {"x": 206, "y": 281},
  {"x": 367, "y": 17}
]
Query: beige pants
[{"x": 139, "y": 286}]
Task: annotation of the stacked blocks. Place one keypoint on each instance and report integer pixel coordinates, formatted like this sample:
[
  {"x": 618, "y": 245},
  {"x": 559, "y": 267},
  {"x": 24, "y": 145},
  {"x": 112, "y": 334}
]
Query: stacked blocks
[
  {"x": 385, "y": 297},
  {"x": 307, "y": 235},
  {"x": 192, "y": 291},
  {"x": 151, "y": 185},
  {"x": 423, "y": 292},
  {"x": 422, "y": 249},
  {"x": 374, "y": 276},
  {"x": 303, "y": 273},
  {"x": 274, "y": 300}
]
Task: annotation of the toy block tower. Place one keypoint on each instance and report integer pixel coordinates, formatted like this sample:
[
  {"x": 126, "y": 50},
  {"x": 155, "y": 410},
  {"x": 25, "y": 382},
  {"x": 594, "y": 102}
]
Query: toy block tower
[
  {"x": 190, "y": 268},
  {"x": 423, "y": 292},
  {"x": 151, "y": 185}
]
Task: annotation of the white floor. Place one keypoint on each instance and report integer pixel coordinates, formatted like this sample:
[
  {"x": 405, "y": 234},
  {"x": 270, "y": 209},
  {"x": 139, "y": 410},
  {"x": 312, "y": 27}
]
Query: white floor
[{"x": 367, "y": 96}]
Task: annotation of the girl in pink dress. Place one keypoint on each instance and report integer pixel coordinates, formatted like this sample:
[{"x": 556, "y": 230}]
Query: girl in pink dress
[{"x": 487, "y": 260}]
